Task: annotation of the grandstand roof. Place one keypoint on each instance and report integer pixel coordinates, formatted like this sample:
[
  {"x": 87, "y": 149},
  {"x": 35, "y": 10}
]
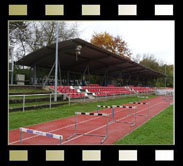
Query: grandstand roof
[{"x": 98, "y": 59}]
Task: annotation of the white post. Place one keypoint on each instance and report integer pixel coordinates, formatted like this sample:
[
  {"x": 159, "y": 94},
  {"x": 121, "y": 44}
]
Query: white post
[
  {"x": 56, "y": 66},
  {"x": 69, "y": 100},
  {"x": 23, "y": 102},
  {"x": 50, "y": 99}
]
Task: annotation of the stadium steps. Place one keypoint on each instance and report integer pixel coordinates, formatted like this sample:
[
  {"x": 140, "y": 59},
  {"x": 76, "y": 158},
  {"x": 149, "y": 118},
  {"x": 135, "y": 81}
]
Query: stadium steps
[{"x": 90, "y": 96}]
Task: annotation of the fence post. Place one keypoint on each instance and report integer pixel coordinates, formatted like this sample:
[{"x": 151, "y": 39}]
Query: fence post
[
  {"x": 23, "y": 102},
  {"x": 69, "y": 100},
  {"x": 50, "y": 99}
]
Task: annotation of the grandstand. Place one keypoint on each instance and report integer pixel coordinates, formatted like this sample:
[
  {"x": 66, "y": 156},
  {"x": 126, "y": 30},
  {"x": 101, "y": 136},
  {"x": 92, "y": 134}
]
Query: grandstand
[
  {"x": 112, "y": 69},
  {"x": 116, "y": 77},
  {"x": 96, "y": 90}
]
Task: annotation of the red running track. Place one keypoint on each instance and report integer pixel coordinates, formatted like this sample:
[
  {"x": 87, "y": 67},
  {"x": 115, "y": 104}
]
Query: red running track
[{"x": 90, "y": 125}]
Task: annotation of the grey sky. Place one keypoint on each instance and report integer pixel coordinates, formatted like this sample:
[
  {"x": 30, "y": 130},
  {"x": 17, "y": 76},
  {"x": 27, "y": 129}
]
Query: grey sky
[{"x": 150, "y": 37}]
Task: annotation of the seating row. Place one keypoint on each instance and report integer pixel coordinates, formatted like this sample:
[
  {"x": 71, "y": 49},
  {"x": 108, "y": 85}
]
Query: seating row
[
  {"x": 76, "y": 95},
  {"x": 67, "y": 89}
]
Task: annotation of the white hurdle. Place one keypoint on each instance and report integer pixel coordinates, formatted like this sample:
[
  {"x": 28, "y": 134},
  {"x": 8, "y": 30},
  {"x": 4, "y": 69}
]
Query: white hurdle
[
  {"x": 90, "y": 114},
  {"x": 148, "y": 109},
  {"x": 129, "y": 107},
  {"x": 106, "y": 106},
  {"x": 120, "y": 106},
  {"x": 56, "y": 136}
]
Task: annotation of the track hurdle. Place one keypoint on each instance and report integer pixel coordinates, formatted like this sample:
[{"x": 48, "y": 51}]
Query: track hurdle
[
  {"x": 90, "y": 114},
  {"x": 113, "y": 111},
  {"x": 147, "y": 114},
  {"x": 129, "y": 107},
  {"x": 56, "y": 136},
  {"x": 148, "y": 109},
  {"x": 102, "y": 106},
  {"x": 106, "y": 106}
]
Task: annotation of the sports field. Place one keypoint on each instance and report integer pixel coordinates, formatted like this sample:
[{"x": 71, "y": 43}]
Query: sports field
[{"x": 61, "y": 120}]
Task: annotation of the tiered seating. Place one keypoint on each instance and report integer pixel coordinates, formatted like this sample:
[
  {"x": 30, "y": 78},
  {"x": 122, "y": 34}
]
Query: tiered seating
[
  {"x": 140, "y": 89},
  {"x": 69, "y": 92},
  {"x": 105, "y": 90},
  {"x": 102, "y": 90}
]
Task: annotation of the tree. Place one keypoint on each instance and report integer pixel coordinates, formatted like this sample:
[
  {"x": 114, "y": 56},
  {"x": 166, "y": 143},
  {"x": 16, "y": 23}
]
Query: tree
[
  {"x": 114, "y": 44},
  {"x": 29, "y": 36},
  {"x": 150, "y": 61}
]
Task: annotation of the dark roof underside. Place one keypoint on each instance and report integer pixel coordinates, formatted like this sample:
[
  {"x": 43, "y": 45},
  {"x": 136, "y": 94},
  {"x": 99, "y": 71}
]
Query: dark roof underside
[{"x": 98, "y": 59}]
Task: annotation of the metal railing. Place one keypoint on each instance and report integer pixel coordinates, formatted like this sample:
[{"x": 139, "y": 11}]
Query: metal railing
[
  {"x": 29, "y": 95},
  {"x": 68, "y": 96}
]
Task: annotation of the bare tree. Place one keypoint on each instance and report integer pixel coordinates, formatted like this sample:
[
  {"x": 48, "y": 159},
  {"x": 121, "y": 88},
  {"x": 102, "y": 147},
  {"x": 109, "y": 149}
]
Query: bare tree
[{"x": 29, "y": 36}]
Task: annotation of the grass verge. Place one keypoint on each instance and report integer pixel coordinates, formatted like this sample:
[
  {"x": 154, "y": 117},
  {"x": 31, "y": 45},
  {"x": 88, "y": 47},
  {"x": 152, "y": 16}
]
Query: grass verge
[{"x": 158, "y": 130}]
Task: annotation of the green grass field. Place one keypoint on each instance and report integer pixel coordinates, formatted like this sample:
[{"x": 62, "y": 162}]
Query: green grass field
[
  {"x": 20, "y": 119},
  {"x": 158, "y": 130}
]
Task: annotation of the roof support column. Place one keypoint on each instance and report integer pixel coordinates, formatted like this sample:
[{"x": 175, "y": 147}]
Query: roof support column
[
  {"x": 56, "y": 66},
  {"x": 49, "y": 74},
  {"x": 68, "y": 77},
  {"x": 87, "y": 69},
  {"x": 34, "y": 75},
  {"x": 89, "y": 74},
  {"x": 137, "y": 79},
  {"x": 121, "y": 78},
  {"x": 105, "y": 78},
  {"x": 129, "y": 79}
]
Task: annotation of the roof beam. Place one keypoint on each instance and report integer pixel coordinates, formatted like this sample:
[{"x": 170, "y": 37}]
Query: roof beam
[
  {"x": 84, "y": 62},
  {"x": 87, "y": 60},
  {"x": 107, "y": 65}
]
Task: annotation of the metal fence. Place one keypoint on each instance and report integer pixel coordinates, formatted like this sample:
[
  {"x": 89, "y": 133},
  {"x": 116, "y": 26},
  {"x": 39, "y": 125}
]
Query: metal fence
[
  {"x": 30, "y": 95},
  {"x": 86, "y": 97}
]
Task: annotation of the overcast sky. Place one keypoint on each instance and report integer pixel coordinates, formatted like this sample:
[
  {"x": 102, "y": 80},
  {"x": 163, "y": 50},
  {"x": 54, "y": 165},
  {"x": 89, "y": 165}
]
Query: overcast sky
[{"x": 149, "y": 37}]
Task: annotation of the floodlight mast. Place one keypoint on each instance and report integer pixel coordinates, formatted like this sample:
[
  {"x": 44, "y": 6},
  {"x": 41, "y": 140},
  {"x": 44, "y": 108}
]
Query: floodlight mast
[{"x": 56, "y": 64}]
